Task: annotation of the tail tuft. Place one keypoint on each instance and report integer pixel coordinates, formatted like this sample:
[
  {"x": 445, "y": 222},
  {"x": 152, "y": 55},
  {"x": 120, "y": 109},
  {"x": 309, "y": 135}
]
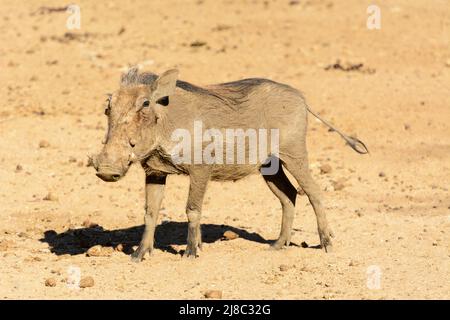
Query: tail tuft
[
  {"x": 353, "y": 142},
  {"x": 357, "y": 145}
]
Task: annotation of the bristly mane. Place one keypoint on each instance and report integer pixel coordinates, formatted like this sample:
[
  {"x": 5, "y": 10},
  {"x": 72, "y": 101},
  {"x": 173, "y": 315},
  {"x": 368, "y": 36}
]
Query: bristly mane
[{"x": 231, "y": 93}]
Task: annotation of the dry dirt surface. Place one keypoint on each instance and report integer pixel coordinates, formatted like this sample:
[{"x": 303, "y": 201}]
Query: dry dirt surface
[{"x": 390, "y": 210}]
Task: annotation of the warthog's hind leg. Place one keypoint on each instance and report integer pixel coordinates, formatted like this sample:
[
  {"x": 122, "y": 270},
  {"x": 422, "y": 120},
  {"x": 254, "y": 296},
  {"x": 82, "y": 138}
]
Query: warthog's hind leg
[
  {"x": 299, "y": 168},
  {"x": 286, "y": 193},
  {"x": 154, "y": 192}
]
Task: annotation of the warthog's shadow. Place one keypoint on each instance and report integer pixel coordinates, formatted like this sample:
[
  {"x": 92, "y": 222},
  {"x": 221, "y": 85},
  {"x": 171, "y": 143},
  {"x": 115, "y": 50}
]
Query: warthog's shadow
[{"x": 78, "y": 241}]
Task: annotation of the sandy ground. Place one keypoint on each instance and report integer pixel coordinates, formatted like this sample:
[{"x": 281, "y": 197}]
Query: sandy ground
[{"x": 391, "y": 219}]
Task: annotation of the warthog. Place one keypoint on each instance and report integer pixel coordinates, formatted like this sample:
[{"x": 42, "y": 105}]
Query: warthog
[{"x": 145, "y": 111}]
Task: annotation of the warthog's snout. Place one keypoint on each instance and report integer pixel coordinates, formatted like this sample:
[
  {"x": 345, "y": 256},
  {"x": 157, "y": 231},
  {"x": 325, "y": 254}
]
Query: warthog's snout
[
  {"x": 108, "y": 170},
  {"x": 109, "y": 176}
]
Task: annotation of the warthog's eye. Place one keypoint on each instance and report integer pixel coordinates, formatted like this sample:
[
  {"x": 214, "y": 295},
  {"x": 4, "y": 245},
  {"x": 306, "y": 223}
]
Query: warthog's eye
[
  {"x": 163, "y": 101},
  {"x": 146, "y": 103}
]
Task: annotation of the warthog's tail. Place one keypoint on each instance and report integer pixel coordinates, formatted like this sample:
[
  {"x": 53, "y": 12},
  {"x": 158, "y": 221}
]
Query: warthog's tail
[{"x": 353, "y": 142}]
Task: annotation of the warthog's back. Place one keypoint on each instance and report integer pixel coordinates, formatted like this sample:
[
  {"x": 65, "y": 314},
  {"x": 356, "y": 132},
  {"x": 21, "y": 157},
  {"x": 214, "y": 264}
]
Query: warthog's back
[{"x": 248, "y": 103}]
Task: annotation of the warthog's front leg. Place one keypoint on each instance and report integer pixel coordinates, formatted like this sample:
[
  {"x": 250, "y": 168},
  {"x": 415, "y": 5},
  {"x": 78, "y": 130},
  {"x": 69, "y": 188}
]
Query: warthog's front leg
[
  {"x": 198, "y": 182},
  {"x": 154, "y": 192}
]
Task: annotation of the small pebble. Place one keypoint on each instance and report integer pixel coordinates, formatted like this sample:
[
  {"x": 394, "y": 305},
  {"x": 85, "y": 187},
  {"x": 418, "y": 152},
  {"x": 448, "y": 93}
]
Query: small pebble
[
  {"x": 86, "y": 282},
  {"x": 198, "y": 44},
  {"x": 50, "y": 197},
  {"x": 19, "y": 168},
  {"x": 94, "y": 251},
  {"x": 325, "y": 168},
  {"x": 99, "y": 251},
  {"x": 284, "y": 267},
  {"x": 5, "y": 245},
  {"x": 56, "y": 271},
  {"x": 213, "y": 294},
  {"x": 50, "y": 282},
  {"x": 338, "y": 185},
  {"x": 44, "y": 144},
  {"x": 230, "y": 235},
  {"x": 89, "y": 224}
]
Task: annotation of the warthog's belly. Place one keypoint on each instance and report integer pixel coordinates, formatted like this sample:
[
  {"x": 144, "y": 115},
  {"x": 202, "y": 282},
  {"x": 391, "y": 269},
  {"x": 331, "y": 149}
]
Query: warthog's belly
[
  {"x": 224, "y": 172},
  {"x": 157, "y": 164},
  {"x": 228, "y": 172}
]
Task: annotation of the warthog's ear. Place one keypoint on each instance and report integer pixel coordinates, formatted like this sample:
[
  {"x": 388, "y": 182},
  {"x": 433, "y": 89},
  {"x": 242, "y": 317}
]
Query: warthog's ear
[{"x": 165, "y": 85}]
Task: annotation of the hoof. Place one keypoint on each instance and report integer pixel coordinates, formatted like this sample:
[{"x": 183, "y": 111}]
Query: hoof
[
  {"x": 138, "y": 255},
  {"x": 135, "y": 258},
  {"x": 189, "y": 257},
  {"x": 280, "y": 244},
  {"x": 325, "y": 240},
  {"x": 190, "y": 253}
]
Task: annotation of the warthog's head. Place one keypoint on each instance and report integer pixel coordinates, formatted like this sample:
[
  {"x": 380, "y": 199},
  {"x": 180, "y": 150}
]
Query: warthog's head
[{"x": 134, "y": 112}]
